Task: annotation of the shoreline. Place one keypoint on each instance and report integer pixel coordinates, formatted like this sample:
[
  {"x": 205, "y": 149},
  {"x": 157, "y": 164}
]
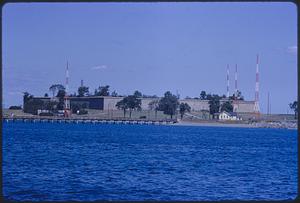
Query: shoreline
[
  {"x": 209, "y": 123},
  {"x": 232, "y": 125},
  {"x": 214, "y": 124},
  {"x": 170, "y": 123}
]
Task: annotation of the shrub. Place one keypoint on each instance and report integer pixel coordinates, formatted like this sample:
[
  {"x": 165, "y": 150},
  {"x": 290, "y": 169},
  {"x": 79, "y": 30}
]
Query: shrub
[
  {"x": 32, "y": 105},
  {"x": 46, "y": 114},
  {"x": 82, "y": 112},
  {"x": 15, "y": 107},
  {"x": 75, "y": 108}
]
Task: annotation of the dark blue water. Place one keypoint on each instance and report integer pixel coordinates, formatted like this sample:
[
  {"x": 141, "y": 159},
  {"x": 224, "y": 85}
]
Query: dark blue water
[{"x": 48, "y": 161}]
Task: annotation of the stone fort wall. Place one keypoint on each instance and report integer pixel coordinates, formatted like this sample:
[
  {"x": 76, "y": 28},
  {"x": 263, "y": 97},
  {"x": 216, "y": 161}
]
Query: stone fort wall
[{"x": 195, "y": 104}]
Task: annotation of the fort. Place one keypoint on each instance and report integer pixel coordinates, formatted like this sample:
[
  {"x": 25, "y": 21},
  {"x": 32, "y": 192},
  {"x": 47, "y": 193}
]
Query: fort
[
  {"x": 109, "y": 103},
  {"x": 204, "y": 107}
]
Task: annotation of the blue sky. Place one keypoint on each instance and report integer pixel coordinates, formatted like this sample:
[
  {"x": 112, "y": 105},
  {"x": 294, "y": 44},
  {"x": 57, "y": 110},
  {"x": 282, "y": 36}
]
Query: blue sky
[{"x": 151, "y": 47}]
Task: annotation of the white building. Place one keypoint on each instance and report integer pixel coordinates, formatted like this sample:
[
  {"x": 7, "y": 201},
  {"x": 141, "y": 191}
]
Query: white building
[{"x": 229, "y": 116}]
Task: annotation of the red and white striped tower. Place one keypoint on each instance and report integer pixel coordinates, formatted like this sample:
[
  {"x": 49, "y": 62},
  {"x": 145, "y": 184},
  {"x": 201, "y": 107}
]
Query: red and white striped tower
[
  {"x": 227, "y": 81},
  {"x": 235, "y": 103},
  {"x": 67, "y": 78},
  {"x": 67, "y": 101},
  {"x": 256, "y": 102}
]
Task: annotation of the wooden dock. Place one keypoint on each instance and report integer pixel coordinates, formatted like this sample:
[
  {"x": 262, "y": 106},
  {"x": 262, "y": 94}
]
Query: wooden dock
[{"x": 88, "y": 120}]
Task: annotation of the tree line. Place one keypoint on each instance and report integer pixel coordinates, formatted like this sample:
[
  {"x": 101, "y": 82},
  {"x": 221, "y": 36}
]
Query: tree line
[
  {"x": 169, "y": 104},
  {"x": 84, "y": 91}
]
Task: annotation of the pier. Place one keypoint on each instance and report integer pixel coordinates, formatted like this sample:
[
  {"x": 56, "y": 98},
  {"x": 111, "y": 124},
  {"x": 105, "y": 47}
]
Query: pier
[{"x": 88, "y": 120}]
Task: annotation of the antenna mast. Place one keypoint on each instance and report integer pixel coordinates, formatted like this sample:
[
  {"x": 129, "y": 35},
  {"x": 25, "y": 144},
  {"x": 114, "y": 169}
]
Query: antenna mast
[
  {"x": 227, "y": 81},
  {"x": 67, "y": 79},
  {"x": 67, "y": 111},
  {"x": 235, "y": 77},
  {"x": 235, "y": 103},
  {"x": 268, "y": 112},
  {"x": 256, "y": 102}
]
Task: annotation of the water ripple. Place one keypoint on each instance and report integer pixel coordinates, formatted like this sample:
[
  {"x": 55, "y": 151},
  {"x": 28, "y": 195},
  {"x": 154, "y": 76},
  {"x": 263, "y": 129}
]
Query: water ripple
[{"x": 86, "y": 162}]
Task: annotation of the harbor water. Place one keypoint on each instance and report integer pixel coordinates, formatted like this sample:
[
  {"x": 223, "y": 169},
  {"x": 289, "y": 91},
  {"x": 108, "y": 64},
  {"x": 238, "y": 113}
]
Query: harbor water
[{"x": 86, "y": 162}]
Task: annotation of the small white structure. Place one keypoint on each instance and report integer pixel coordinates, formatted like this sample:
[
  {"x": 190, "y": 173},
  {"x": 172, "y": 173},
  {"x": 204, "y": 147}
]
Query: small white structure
[
  {"x": 61, "y": 112},
  {"x": 39, "y": 111},
  {"x": 229, "y": 116}
]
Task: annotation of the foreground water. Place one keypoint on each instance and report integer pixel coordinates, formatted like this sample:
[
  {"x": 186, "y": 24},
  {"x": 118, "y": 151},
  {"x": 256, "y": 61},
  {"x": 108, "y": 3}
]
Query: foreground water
[{"x": 54, "y": 161}]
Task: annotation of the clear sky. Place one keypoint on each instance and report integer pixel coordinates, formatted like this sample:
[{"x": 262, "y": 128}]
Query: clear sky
[{"x": 151, "y": 47}]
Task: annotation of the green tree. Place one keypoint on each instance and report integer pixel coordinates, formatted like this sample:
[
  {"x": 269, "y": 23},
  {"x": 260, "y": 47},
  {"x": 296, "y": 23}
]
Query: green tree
[
  {"x": 294, "y": 107},
  {"x": 149, "y": 96},
  {"x": 55, "y": 88},
  {"x": 83, "y": 91},
  {"x": 203, "y": 95},
  {"x": 237, "y": 96},
  {"x": 130, "y": 102},
  {"x": 15, "y": 107},
  {"x": 114, "y": 94},
  {"x": 154, "y": 105},
  {"x": 133, "y": 103},
  {"x": 26, "y": 97},
  {"x": 137, "y": 94},
  {"x": 102, "y": 91},
  {"x": 122, "y": 105},
  {"x": 184, "y": 107},
  {"x": 227, "y": 106},
  {"x": 209, "y": 96},
  {"x": 61, "y": 95},
  {"x": 168, "y": 104},
  {"x": 214, "y": 104}
]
